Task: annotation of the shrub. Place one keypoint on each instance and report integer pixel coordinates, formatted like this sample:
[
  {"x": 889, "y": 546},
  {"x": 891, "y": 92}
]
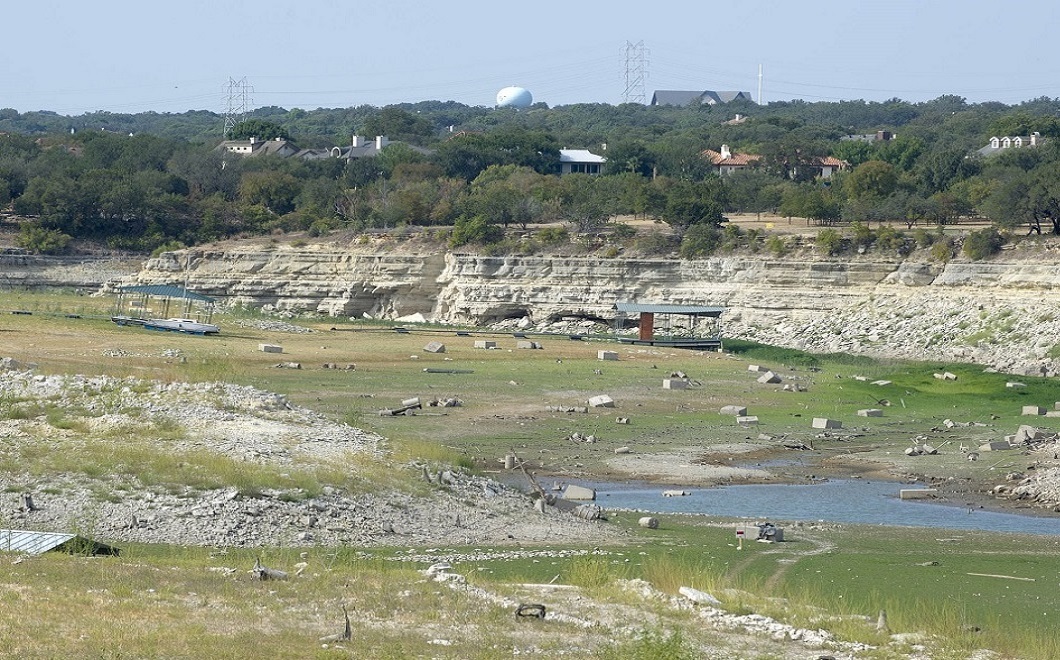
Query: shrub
[
  {"x": 889, "y": 238},
  {"x": 657, "y": 243},
  {"x": 37, "y": 239},
  {"x": 476, "y": 229},
  {"x": 622, "y": 231},
  {"x": 829, "y": 240},
  {"x": 168, "y": 246},
  {"x": 553, "y": 235},
  {"x": 982, "y": 244},
  {"x": 942, "y": 249},
  {"x": 776, "y": 246},
  {"x": 701, "y": 240}
]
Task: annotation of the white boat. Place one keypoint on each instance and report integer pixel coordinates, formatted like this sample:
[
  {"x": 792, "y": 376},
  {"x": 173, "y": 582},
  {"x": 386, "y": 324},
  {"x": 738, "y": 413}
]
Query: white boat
[{"x": 189, "y": 326}]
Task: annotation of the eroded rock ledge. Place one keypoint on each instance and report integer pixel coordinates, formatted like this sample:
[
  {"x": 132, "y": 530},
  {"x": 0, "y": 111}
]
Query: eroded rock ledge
[{"x": 1000, "y": 313}]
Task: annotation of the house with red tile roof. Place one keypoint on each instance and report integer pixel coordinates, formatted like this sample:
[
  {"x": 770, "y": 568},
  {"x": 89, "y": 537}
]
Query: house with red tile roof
[{"x": 726, "y": 162}]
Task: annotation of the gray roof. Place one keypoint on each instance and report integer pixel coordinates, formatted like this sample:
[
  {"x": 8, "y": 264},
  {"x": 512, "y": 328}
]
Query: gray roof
[
  {"x": 637, "y": 308},
  {"x": 35, "y": 543},
  {"x": 166, "y": 291},
  {"x": 684, "y": 97}
]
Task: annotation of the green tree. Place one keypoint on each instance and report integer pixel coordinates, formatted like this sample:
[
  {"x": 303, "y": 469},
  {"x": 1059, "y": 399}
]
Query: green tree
[
  {"x": 273, "y": 190},
  {"x": 260, "y": 129},
  {"x": 690, "y": 204},
  {"x": 872, "y": 179}
]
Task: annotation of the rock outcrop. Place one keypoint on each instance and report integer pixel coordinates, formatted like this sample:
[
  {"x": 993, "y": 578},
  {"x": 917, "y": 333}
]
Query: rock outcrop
[{"x": 999, "y": 313}]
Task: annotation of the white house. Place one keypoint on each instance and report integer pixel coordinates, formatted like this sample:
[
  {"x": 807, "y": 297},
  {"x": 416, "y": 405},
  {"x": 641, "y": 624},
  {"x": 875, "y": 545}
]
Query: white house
[{"x": 580, "y": 161}]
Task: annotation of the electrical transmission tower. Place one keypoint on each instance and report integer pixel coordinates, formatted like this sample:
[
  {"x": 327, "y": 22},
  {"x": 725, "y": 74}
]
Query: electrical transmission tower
[
  {"x": 237, "y": 94},
  {"x": 636, "y": 71}
]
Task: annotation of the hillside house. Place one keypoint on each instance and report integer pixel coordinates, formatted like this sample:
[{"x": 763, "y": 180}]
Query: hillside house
[
  {"x": 257, "y": 147},
  {"x": 580, "y": 161},
  {"x": 707, "y": 97},
  {"x": 999, "y": 144},
  {"x": 725, "y": 162}
]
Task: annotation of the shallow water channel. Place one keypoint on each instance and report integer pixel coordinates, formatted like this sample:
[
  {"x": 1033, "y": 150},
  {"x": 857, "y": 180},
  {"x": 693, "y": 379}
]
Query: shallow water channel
[{"x": 837, "y": 500}]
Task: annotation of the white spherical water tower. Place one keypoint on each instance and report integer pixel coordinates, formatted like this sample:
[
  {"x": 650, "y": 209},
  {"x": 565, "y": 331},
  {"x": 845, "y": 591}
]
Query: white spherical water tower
[{"x": 514, "y": 97}]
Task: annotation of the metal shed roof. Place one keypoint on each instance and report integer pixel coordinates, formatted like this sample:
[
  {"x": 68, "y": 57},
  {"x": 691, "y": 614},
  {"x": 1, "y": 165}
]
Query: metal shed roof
[
  {"x": 637, "y": 308},
  {"x": 35, "y": 543},
  {"x": 167, "y": 291}
]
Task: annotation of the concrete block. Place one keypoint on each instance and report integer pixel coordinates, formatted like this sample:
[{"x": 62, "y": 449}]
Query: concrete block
[
  {"x": 573, "y": 492},
  {"x": 881, "y": 383},
  {"x": 1056, "y": 406},
  {"x": 825, "y": 423},
  {"x": 485, "y": 343},
  {"x": 917, "y": 493},
  {"x": 946, "y": 376},
  {"x": 270, "y": 348},
  {"x": 607, "y": 355},
  {"x": 997, "y": 445},
  {"x": 870, "y": 412},
  {"x": 649, "y": 522},
  {"x": 434, "y": 347},
  {"x": 1053, "y": 413},
  {"x": 747, "y": 420},
  {"x": 756, "y": 368},
  {"x": 733, "y": 410},
  {"x": 675, "y": 384},
  {"x": 526, "y": 344},
  {"x": 601, "y": 401},
  {"x": 1033, "y": 410},
  {"x": 769, "y": 378}
]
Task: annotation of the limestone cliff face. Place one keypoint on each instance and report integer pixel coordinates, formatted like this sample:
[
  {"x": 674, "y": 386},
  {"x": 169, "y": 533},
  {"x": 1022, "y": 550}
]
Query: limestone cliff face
[
  {"x": 19, "y": 269},
  {"x": 1002, "y": 313},
  {"x": 330, "y": 282}
]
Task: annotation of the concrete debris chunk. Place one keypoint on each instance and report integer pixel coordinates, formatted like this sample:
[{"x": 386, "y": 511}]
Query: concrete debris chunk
[
  {"x": 526, "y": 344},
  {"x": 747, "y": 420},
  {"x": 946, "y": 376},
  {"x": 756, "y": 368},
  {"x": 601, "y": 401},
  {"x": 485, "y": 343},
  {"x": 881, "y": 383},
  {"x": 649, "y": 522},
  {"x": 1033, "y": 410},
  {"x": 622, "y": 420},
  {"x": 606, "y": 355},
  {"x": 996, "y": 445},
  {"x": 733, "y": 410},
  {"x": 870, "y": 412},
  {"x": 573, "y": 492},
  {"x": 287, "y": 365},
  {"x": 623, "y": 450},
  {"x": 825, "y": 423},
  {"x": 270, "y": 348},
  {"x": 675, "y": 384},
  {"x": 769, "y": 378},
  {"x": 1013, "y": 385},
  {"x": 676, "y": 493},
  {"x": 434, "y": 347}
]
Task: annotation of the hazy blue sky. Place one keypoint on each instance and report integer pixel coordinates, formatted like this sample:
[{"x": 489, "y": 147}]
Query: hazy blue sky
[{"x": 75, "y": 56}]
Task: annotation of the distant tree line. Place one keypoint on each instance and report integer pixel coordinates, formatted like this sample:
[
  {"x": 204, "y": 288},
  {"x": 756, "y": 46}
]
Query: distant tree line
[{"x": 149, "y": 181}]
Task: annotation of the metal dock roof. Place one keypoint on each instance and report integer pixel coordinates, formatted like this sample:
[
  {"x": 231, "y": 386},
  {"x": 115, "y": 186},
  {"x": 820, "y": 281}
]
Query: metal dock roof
[
  {"x": 35, "y": 543},
  {"x": 636, "y": 308},
  {"x": 166, "y": 291}
]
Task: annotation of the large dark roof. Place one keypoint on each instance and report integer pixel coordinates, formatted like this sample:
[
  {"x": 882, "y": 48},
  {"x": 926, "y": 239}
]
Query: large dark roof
[{"x": 684, "y": 97}]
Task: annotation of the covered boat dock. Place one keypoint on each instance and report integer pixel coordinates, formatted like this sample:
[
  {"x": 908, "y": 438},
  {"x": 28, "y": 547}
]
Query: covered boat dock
[
  {"x": 696, "y": 327},
  {"x": 165, "y": 307}
]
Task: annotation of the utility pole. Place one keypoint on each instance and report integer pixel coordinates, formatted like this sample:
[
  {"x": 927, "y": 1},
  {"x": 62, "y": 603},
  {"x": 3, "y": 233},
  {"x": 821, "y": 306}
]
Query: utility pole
[
  {"x": 636, "y": 58},
  {"x": 759, "y": 84}
]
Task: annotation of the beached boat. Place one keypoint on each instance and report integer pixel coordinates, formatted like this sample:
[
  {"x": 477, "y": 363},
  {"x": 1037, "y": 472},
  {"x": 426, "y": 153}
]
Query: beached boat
[{"x": 189, "y": 326}]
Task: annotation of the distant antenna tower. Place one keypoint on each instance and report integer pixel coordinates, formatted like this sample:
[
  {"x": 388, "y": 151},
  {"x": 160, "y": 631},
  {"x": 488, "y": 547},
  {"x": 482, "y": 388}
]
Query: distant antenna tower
[
  {"x": 237, "y": 93},
  {"x": 636, "y": 71}
]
